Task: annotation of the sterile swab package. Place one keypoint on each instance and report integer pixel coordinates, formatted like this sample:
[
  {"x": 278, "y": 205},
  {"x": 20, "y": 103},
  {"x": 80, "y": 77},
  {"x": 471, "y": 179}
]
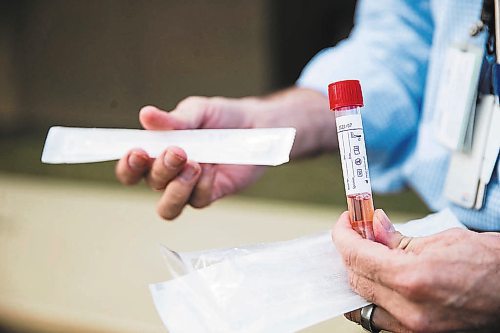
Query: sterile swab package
[
  {"x": 258, "y": 146},
  {"x": 274, "y": 287}
]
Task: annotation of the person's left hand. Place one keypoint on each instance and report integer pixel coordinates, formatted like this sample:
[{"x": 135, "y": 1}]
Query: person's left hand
[{"x": 445, "y": 282}]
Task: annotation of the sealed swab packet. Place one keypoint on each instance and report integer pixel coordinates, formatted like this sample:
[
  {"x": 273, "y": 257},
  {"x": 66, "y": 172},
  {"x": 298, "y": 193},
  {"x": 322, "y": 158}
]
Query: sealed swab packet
[
  {"x": 273, "y": 287},
  {"x": 256, "y": 146}
]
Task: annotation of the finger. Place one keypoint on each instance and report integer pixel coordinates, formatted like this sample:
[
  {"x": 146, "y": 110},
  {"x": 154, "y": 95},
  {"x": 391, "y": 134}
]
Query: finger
[
  {"x": 375, "y": 292},
  {"x": 131, "y": 168},
  {"x": 202, "y": 194},
  {"x": 410, "y": 313},
  {"x": 213, "y": 112},
  {"x": 166, "y": 167},
  {"x": 363, "y": 256},
  {"x": 381, "y": 319},
  {"x": 152, "y": 118},
  {"x": 189, "y": 114},
  {"x": 178, "y": 191},
  {"x": 386, "y": 234}
]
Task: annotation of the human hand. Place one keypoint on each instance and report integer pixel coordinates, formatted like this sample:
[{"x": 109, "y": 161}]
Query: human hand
[
  {"x": 182, "y": 181},
  {"x": 446, "y": 282},
  {"x": 186, "y": 182}
]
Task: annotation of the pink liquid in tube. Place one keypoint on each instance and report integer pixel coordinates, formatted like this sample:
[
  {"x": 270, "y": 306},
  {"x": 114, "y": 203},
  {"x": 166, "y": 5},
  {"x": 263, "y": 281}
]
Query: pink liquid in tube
[{"x": 346, "y": 100}]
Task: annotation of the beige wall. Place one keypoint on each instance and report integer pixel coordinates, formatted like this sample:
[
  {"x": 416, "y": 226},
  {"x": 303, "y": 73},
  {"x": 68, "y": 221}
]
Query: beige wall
[{"x": 95, "y": 63}]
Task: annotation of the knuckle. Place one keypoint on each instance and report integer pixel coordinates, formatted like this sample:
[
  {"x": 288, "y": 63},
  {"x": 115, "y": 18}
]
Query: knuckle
[
  {"x": 353, "y": 281},
  {"x": 201, "y": 196},
  {"x": 417, "y": 321},
  {"x": 158, "y": 178},
  {"x": 459, "y": 234},
  {"x": 361, "y": 287},
  {"x": 369, "y": 295},
  {"x": 176, "y": 201},
  {"x": 402, "y": 282},
  {"x": 350, "y": 258},
  {"x": 413, "y": 284},
  {"x": 158, "y": 172},
  {"x": 154, "y": 184},
  {"x": 192, "y": 101},
  {"x": 217, "y": 100},
  {"x": 398, "y": 281},
  {"x": 199, "y": 203}
]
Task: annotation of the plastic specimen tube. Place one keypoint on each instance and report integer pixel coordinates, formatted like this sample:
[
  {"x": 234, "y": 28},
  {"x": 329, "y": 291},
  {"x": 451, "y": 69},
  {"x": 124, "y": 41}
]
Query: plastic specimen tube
[{"x": 346, "y": 100}]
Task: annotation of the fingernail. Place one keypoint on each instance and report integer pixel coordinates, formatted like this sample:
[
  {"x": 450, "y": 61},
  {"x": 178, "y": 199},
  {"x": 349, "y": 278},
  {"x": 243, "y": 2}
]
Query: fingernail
[
  {"x": 137, "y": 161},
  {"x": 189, "y": 172},
  {"x": 172, "y": 160},
  {"x": 382, "y": 218}
]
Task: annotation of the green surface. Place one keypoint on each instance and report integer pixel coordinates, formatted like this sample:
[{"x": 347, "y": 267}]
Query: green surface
[{"x": 316, "y": 180}]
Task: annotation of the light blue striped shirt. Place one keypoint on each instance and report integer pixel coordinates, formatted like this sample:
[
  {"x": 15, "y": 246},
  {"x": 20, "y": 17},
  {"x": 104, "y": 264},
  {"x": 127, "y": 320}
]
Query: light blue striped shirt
[{"x": 396, "y": 50}]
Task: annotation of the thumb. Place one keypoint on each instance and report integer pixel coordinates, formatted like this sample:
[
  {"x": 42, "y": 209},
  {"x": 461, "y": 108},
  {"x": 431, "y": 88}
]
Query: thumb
[
  {"x": 185, "y": 116},
  {"x": 386, "y": 234}
]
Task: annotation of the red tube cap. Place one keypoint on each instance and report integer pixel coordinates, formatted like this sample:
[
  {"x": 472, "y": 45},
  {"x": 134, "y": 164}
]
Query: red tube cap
[{"x": 344, "y": 94}]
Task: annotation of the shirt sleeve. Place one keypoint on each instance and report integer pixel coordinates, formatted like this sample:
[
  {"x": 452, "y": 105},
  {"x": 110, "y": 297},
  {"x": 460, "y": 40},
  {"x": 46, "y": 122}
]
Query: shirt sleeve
[{"x": 387, "y": 52}]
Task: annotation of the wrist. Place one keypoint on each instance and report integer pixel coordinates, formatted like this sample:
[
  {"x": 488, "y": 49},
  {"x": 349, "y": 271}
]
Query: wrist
[{"x": 304, "y": 109}]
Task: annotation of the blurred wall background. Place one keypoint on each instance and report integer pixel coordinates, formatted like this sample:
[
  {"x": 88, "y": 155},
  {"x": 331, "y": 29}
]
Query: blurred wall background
[{"x": 95, "y": 63}]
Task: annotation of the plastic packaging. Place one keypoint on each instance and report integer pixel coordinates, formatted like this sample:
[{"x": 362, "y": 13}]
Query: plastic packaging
[
  {"x": 273, "y": 287},
  {"x": 345, "y": 100},
  {"x": 259, "y": 146}
]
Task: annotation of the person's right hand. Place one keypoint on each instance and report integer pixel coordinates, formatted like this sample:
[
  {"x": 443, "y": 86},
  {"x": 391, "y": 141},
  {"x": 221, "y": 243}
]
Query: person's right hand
[
  {"x": 446, "y": 282},
  {"x": 182, "y": 181}
]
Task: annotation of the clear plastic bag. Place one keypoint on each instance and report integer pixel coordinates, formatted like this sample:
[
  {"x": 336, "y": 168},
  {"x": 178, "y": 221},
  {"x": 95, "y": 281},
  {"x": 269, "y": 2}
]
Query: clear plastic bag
[
  {"x": 255, "y": 289},
  {"x": 274, "y": 287}
]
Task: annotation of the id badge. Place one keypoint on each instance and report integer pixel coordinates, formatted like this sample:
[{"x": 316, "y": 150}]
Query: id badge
[
  {"x": 490, "y": 157},
  {"x": 466, "y": 182},
  {"x": 456, "y": 96}
]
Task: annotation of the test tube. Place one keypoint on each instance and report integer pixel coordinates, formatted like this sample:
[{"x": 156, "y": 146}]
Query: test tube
[{"x": 346, "y": 100}]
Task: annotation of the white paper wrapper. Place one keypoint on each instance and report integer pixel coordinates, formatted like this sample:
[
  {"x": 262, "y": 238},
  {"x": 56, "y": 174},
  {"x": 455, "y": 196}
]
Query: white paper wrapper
[
  {"x": 260, "y": 146},
  {"x": 274, "y": 287}
]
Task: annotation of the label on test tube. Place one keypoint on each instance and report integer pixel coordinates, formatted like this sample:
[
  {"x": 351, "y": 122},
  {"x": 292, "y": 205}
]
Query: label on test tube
[{"x": 353, "y": 154}]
